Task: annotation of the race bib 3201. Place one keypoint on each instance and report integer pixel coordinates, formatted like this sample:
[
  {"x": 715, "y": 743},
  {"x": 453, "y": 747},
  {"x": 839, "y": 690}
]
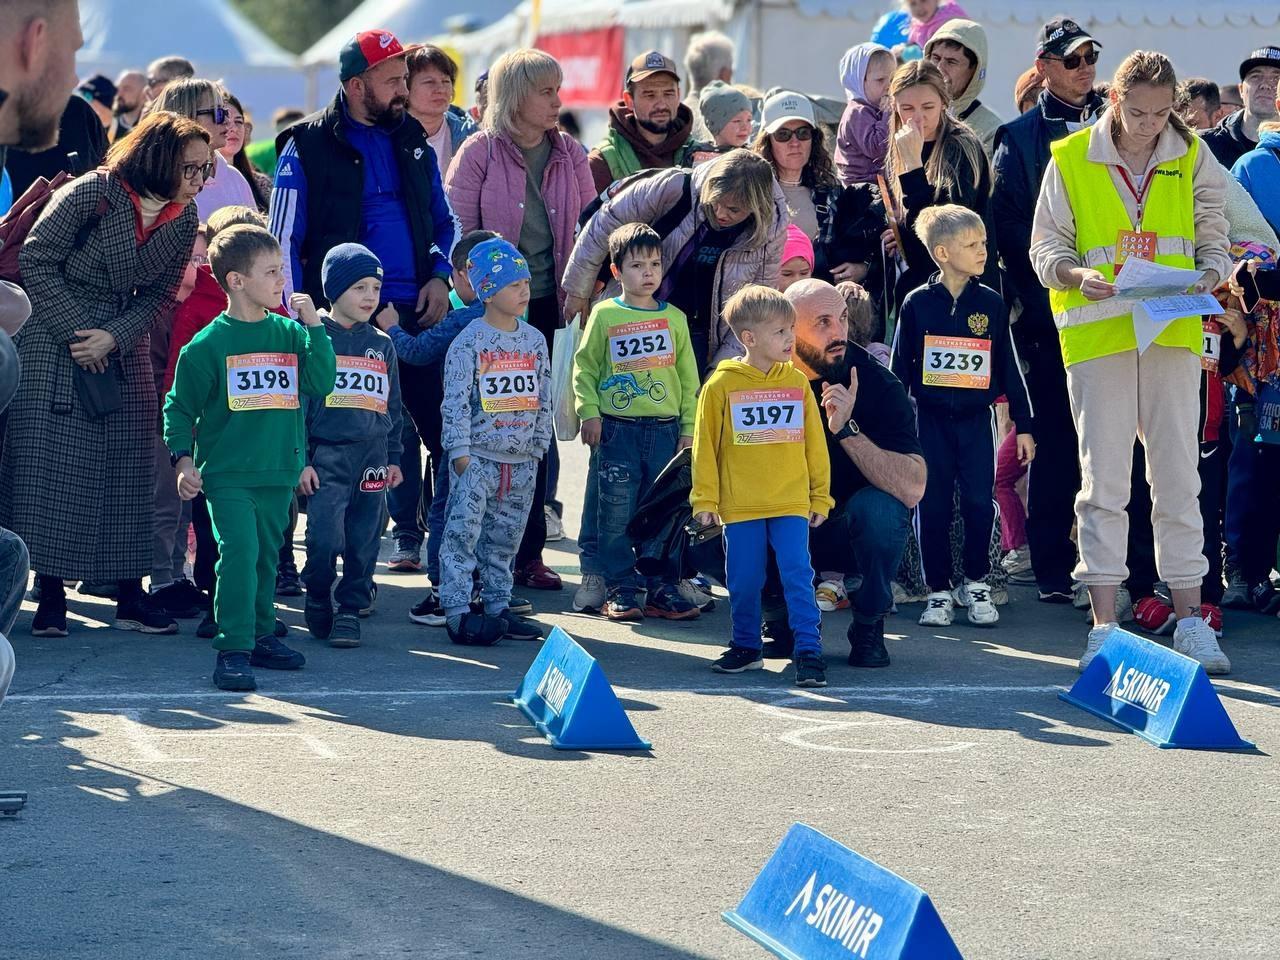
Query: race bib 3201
[{"x": 362, "y": 383}]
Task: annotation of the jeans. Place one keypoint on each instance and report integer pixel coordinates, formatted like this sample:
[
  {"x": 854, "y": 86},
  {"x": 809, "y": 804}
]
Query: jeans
[
  {"x": 631, "y": 453},
  {"x": 14, "y": 567},
  {"x": 589, "y": 531},
  {"x": 871, "y": 527},
  {"x": 405, "y": 502},
  {"x": 745, "y": 547},
  {"x": 435, "y": 520}
]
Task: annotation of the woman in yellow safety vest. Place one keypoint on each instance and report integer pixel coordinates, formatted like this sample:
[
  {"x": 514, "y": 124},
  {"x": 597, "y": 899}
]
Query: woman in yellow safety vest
[{"x": 1140, "y": 184}]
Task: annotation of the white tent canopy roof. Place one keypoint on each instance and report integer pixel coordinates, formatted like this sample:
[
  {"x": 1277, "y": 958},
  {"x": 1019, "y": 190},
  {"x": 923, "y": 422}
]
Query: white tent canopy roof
[
  {"x": 412, "y": 21},
  {"x": 209, "y": 32}
]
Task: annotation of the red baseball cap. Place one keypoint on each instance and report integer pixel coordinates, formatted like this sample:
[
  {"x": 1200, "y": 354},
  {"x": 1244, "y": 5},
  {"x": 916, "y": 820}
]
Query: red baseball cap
[{"x": 366, "y": 50}]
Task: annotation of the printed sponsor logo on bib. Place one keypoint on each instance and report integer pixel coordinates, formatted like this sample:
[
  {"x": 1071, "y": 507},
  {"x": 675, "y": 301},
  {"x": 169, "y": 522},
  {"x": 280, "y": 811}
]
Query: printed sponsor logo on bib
[
  {"x": 1212, "y": 354},
  {"x": 956, "y": 362},
  {"x": 362, "y": 383},
  {"x": 262, "y": 381},
  {"x": 767, "y": 416},
  {"x": 508, "y": 381},
  {"x": 641, "y": 345}
]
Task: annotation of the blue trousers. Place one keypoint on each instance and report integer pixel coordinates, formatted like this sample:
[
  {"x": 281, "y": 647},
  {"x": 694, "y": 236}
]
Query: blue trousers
[
  {"x": 631, "y": 453},
  {"x": 589, "y": 530},
  {"x": 745, "y": 546},
  {"x": 865, "y": 534}
]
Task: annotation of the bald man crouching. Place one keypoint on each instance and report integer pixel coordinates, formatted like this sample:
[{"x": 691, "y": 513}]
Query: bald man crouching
[{"x": 877, "y": 469}]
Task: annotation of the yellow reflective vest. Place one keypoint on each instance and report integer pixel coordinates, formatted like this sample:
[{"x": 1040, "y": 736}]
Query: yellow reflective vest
[{"x": 1092, "y": 328}]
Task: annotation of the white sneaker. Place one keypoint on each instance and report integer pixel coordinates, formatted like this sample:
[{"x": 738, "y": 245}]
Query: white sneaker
[
  {"x": 690, "y": 592},
  {"x": 1097, "y": 636},
  {"x": 1017, "y": 562},
  {"x": 976, "y": 595},
  {"x": 1124, "y": 605},
  {"x": 590, "y": 595},
  {"x": 555, "y": 526},
  {"x": 1080, "y": 596},
  {"x": 1194, "y": 638},
  {"x": 938, "y": 610},
  {"x": 831, "y": 596}
]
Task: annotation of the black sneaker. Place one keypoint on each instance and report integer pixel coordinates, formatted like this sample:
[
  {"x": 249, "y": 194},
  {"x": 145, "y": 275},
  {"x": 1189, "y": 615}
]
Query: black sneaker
[
  {"x": 270, "y": 654},
  {"x": 51, "y": 618},
  {"x": 622, "y": 605},
  {"x": 667, "y": 604},
  {"x": 281, "y": 628},
  {"x": 234, "y": 671},
  {"x": 1054, "y": 595},
  {"x": 866, "y": 645},
  {"x": 99, "y": 588},
  {"x": 346, "y": 630},
  {"x": 518, "y": 628},
  {"x": 317, "y": 613},
  {"x": 811, "y": 671},
  {"x": 428, "y": 611},
  {"x": 176, "y": 601},
  {"x": 142, "y": 615},
  {"x": 194, "y": 593},
  {"x": 288, "y": 583},
  {"x": 476, "y": 630},
  {"x": 738, "y": 659},
  {"x": 373, "y": 601},
  {"x": 520, "y": 606},
  {"x": 1265, "y": 598},
  {"x": 780, "y": 642},
  {"x": 208, "y": 628}
]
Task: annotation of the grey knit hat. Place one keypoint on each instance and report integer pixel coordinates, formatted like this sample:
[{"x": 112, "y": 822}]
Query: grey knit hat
[{"x": 720, "y": 103}]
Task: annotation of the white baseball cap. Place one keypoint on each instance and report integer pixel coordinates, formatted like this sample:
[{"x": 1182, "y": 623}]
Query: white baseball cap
[{"x": 784, "y": 106}]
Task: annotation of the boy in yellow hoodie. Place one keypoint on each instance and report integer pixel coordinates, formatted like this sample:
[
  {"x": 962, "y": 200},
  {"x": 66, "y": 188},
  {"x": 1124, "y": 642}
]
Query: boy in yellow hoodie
[{"x": 760, "y": 464}]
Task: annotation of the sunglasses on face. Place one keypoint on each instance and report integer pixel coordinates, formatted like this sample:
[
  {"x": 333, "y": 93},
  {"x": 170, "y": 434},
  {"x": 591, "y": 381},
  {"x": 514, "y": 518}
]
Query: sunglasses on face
[
  {"x": 190, "y": 170},
  {"x": 219, "y": 114},
  {"x": 784, "y": 135},
  {"x": 1073, "y": 62}
]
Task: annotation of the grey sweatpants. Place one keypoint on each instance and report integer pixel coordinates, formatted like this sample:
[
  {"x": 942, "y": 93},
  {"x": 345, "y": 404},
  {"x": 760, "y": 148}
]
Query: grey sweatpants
[
  {"x": 345, "y": 519},
  {"x": 485, "y": 519}
]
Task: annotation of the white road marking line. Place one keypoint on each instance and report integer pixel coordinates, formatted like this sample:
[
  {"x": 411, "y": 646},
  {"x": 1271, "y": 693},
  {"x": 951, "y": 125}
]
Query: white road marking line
[{"x": 881, "y": 692}]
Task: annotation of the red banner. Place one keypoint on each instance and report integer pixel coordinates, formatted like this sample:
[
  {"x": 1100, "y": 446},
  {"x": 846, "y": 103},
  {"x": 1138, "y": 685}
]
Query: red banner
[{"x": 592, "y": 65}]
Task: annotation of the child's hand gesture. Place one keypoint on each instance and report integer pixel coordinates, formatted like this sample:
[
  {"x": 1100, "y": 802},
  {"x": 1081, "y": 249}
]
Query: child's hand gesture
[
  {"x": 394, "y": 476},
  {"x": 706, "y": 519},
  {"x": 302, "y": 305},
  {"x": 190, "y": 483},
  {"x": 685, "y": 443},
  {"x": 1234, "y": 320},
  {"x": 386, "y": 318},
  {"x": 816, "y": 520},
  {"x": 1026, "y": 449},
  {"x": 591, "y": 430},
  {"x": 309, "y": 482}
]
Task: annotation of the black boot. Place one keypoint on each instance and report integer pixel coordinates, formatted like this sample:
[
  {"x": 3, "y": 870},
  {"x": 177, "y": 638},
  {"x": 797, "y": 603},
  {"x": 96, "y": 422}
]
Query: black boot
[
  {"x": 51, "y": 615},
  {"x": 866, "y": 645},
  {"x": 136, "y": 611}
]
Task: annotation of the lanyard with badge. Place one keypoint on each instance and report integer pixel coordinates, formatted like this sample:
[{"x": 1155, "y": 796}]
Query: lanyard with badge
[
  {"x": 262, "y": 381},
  {"x": 1136, "y": 243}
]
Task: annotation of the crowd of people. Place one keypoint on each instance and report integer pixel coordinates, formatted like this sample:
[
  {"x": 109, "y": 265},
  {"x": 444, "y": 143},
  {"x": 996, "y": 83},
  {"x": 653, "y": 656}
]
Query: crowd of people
[{"x": 830, "y": 362}]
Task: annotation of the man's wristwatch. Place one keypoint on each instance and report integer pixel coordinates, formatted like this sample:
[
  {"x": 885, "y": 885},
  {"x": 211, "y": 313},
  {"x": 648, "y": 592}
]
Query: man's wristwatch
[{"x": 850, "y": 429}]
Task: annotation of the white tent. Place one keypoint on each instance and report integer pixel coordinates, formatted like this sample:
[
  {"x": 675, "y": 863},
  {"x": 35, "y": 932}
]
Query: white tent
[
  {"x": 129, "y": 34},
  {"x": 799, "y": 42}
]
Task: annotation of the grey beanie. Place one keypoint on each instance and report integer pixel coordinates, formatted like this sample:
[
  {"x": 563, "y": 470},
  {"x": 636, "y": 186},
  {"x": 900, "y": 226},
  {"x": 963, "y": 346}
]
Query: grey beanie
[{"x": 720, "y": 103}]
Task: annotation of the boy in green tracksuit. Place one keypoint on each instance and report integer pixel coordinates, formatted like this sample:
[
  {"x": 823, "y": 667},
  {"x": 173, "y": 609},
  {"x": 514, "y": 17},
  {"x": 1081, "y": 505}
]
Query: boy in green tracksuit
[{"x": 237, "y": 391}]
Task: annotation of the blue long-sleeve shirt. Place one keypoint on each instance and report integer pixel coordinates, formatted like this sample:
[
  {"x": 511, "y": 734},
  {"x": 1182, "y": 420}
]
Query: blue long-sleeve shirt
[
  {"x": 1259, "y": 173},
  {"x": 431, "y": 345},
  {"x": 384, "y": 221}
]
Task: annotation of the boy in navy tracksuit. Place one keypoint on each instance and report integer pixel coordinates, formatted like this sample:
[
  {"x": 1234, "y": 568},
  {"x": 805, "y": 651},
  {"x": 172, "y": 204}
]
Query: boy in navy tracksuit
[{"x": 954, "y": 354}]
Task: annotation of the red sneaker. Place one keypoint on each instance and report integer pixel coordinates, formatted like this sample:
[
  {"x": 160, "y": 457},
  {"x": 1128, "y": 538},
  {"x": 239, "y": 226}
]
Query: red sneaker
[
  {"x": 1211, "y": 614},
  {"x": 538, "y": 576},
  {"x": 1154, "y": 616}
]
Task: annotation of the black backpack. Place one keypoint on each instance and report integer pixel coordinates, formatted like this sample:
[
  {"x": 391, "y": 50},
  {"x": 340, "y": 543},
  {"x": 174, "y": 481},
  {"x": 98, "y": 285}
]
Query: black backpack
[{"x": 663, "y": 225}]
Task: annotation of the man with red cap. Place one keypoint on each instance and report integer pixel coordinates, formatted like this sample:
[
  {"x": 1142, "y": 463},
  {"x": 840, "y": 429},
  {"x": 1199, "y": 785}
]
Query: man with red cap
[{"x": 362, "y": 171}]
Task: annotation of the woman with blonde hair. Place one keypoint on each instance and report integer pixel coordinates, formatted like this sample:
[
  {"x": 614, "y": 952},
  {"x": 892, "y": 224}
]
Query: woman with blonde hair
[
  {"x": 205, "y": 102},
  {"x": 1138, "y": 183},
  {"x": 933, "y": 159},
  {"x": 523, "y": 178}
]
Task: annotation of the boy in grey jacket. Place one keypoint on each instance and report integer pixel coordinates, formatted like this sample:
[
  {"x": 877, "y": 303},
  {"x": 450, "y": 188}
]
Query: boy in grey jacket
[
  {"x": 353, "y": 449},
  {"x": 497, "y": 426}
]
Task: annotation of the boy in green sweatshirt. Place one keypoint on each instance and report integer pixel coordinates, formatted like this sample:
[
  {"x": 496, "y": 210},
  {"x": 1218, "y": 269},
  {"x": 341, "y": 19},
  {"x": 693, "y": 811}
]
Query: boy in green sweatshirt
[
  {"x": 237, "y": 392},
  {"x": 760, "y": 467}
]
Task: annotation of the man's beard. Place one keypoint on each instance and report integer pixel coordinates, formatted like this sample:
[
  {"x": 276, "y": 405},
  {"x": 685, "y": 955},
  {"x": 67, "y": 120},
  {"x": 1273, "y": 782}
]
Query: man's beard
[
  {"x": 39, "y": 116},
  {"x": 824, "y": 364},
  {"x": 656, "y": 127},
  {"x": 119, "y": 108},
  {"x": 384, "y": 115}
]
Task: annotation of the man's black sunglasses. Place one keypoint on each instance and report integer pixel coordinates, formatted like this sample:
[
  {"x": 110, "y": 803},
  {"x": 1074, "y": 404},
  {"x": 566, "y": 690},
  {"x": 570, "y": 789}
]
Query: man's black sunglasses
[{"x": 1073, "y": 62}]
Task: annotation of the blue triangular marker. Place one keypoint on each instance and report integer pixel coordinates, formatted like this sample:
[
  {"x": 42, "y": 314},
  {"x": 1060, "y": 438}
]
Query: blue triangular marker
[
  {"x": 816, "y": 898},
  {"x": 1157, "y": 693},
  {"x": 567, "y": 697}
]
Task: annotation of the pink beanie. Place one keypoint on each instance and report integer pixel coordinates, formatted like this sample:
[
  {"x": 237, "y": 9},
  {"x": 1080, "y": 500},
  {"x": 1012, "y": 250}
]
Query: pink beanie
[{"x": 797, "y": 245}]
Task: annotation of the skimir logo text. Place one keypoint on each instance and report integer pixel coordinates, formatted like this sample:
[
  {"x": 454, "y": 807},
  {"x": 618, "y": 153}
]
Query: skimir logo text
[
  {"x": 554, "y": 689},
  {"x": 1137, "y": 688},
  {"x": 837, "y": 916}
]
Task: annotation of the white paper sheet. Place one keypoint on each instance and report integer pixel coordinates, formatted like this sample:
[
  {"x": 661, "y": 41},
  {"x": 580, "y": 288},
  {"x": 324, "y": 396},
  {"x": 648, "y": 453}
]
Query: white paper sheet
[
  {"x": 1152, "y": 316},
  {"x": 1143, "y": 280}
]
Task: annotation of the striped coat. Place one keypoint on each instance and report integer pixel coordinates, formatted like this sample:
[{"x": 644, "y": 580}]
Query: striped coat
[{"x": 81, "y": 492}]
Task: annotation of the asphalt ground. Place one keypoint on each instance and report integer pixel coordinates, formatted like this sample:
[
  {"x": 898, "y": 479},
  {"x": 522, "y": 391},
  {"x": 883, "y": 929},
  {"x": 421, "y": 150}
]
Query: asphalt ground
[{"x": 391, "y": 802}]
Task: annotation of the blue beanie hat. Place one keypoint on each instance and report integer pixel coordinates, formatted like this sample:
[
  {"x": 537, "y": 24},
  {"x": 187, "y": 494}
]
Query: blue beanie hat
[
  {"x": 493, "y": 265},
  {"x": 345, "y": 266}
]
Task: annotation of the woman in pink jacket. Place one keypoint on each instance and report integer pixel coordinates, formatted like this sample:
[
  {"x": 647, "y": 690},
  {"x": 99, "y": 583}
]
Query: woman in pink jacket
[{"x": 521, "y": 177}]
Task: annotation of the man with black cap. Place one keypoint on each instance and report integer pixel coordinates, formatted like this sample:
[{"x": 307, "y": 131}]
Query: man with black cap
[
  {"x": 1066, "y": 60},
  {"x": 649, "y": 127},
  {"x": 1237, "y": 134},
  {"x": 362, "y": 171}
]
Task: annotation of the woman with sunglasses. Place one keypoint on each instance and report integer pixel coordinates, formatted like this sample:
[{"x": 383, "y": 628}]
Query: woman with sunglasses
[
  {"x": 933, "y": 159},
  {"x": 844, "y": 224},
  {"x": 239, "y": 130},
  {"x": 205, "y": 102},
  {"x": 101, "y": 265},
  {"x": 1139, "y": 183}
]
